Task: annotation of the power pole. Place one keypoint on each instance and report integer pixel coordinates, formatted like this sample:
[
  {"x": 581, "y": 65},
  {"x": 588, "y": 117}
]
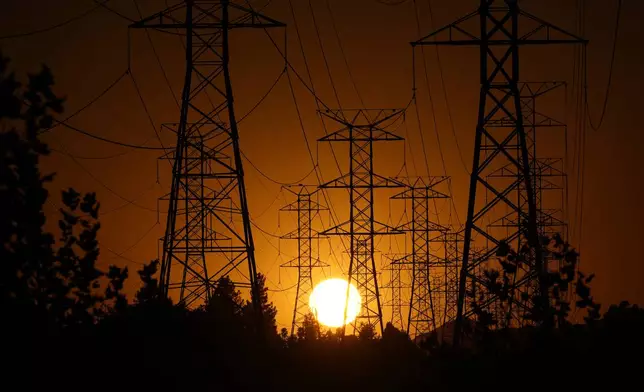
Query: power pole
[
  {"x": 501, "y": 30},
  {"x": 208, "y": 231},
  {"x": 421, "y": 318},
  {"x": 360, "y": 129},
  {"x": 307, "y": 210}
]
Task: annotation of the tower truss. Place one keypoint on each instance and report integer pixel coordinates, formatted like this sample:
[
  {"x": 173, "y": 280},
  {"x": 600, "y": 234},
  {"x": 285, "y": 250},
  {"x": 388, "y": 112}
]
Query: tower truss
[
  {"x": 307, "y": 210},
  {"x": 501, "y": 30},
  {"x": 547, "y": 174},
  {"x": 426, "y": 267},
  {"x": 452, "y": 248},
  {"x": 360, "y": 129},
  {"x": 396, "y": 285},
  {"x": 208, "y": 231}
]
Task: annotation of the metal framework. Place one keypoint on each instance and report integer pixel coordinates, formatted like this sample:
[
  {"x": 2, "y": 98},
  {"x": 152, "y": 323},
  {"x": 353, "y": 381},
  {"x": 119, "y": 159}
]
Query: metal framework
[
  {"x": 307, "y": 210},
  {"x": 501, "y": 30},
  {"x": 396, "y": 286},
  {"x": 208, "y": 230},
  {"x": 446, "y": 293},
  {"x": 360, "y": 129},
  {"x": 548, "y": 177},
  {"x": 425, "y": 266}
]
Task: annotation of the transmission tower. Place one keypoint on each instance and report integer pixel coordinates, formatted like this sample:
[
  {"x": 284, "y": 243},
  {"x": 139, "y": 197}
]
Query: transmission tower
[
  {"x": 208, "y": 230},
  {"x": 396, "y": 286},
  {"x": 307, "y": 210},
  {"x": 421, "y": 318},
  {"x": 501, "y": 30},
  {"x": 548, "y": 174},
  {"x": 452, "y": 248},
  {"x": 360, "y": 129}
]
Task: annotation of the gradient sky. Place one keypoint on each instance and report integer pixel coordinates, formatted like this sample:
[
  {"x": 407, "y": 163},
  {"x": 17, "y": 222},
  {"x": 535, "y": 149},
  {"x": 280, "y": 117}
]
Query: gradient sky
[{"x": 89, "y": 54}]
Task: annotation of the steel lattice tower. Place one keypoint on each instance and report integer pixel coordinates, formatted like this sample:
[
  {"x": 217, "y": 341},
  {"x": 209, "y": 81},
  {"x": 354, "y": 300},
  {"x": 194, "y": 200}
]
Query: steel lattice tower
[
  {"x": 208, "y": 231},
  {"x": 548, "y": 174},
  {"x": 360, "y": 129},
  {"x": 425, "y": 266},
  {"x": 452, "y": 248},
  {"x": 502, "y": 29},
  {"x": 307, "y": 210},
  {"x": 396, "y": 285}
]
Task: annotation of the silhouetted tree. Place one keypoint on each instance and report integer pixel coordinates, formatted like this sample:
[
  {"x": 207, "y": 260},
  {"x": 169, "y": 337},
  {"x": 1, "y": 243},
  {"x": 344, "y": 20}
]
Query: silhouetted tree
[
  {"x": 310, "y": 329},
  {"x": 269, "y": 311},
  {"x": 366, "y": 331},
  {"x": 58, "y": 282},
  {"x": 149, "y": 290}
]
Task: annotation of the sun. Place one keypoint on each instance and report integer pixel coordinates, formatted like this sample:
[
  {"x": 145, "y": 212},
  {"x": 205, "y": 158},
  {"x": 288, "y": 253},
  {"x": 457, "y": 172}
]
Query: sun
[{"x": 328, "y": 299}]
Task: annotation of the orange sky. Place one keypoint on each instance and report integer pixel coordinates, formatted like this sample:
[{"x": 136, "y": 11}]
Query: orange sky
[{"x": 89, "y": 54}]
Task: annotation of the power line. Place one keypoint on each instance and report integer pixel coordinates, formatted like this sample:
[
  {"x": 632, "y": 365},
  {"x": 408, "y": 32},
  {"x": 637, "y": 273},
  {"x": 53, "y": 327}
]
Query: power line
[
  {"x": 392, "y": 2},
  {"x": 290, "y": 66},
  {"x": 145, "y": 108},
  {"x": 271, "y": 179},
  {"x": 326, "y": 61},
  {"x": 121, "y": 256},
  {"x": 91, "y": 102},
  {"x": 101, "y": 183},
  {"x": 344, "y": 57},
  {"x": 443, "y": 87},
  {"x": 431, "y": 102},
  {"x": 318, "y": 102},
  {"x": 449, "y": 117},
  {"x": 610, "y": 75},
  {"x": 137, "y": 242},
  {"x": 58, "y": 25},
  {"x": 115, "y": 12},
  {"x": 279, "y": 77},
  {"x": 88, "y": 157},
  {"x": 156, "y": 56},
  {"x": 106, "y": 140},
  {"x": 277, "y": 196}
]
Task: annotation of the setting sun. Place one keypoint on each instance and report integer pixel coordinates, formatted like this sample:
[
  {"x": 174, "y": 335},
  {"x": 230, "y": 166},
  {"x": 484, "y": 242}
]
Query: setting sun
[{"x": 328, "y": 300}]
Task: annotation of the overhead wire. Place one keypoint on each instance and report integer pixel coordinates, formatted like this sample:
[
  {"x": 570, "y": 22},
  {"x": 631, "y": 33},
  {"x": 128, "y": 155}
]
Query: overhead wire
[
  {"x": 57, "y": 25},
  {"x": 450, "y": 119},
  {"x": 271, "y": 179},
  {"x": 324, "y": 57},
  {"x": 610, "y": 75},
  {"x": 108, "y": 188},
  {"x": 343, "y": 54},
  {"x": 439, "y": 64},
  {"x": 106, "y": 140},
  {"x": 431, "y": 104},
  {"x": 156, "y": 56},
  {"x": 136, "y": 242},
  {"x": 115, "y": 12},
  {"x": 99, "y": 158},
  {"x": 318, "y": 102},
  {"x": 90, "y": 102},
  {"x": 261, "y": 100},
  {"x": 145, "y": 108},
  {"x": 392, "y": 2}
]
